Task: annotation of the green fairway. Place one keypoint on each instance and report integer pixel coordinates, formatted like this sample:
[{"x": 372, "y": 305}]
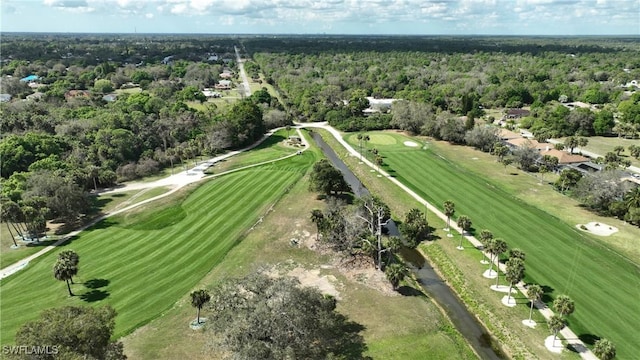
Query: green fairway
[
  {"x": 272, "y": 148},
  {"x": 605, "y": 287},
  {"x": 142, "y": 262}
]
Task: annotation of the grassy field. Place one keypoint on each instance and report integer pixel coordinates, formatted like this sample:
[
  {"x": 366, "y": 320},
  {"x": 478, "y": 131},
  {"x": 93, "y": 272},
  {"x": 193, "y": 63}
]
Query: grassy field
[
  {"x": 558, "y": 256},
  {"x": 142, "y": 262},
  {"x": 272, "y": 148},
  {"x": 395, "y": 326}
]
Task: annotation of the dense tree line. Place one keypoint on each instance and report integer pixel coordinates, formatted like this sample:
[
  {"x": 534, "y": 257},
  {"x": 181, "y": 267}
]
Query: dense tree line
[
  {"x": 315, "y": 83},
  {"x": 57, "y": 148}
]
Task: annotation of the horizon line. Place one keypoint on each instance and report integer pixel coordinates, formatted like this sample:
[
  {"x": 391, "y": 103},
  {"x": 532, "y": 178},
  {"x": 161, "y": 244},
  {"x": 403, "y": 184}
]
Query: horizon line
[{"x": 313, "y": 34}]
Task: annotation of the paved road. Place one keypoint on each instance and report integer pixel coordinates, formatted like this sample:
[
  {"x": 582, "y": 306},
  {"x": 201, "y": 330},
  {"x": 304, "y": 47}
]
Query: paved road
[
  {"x": 570, "y": 336},
  {"x": 243, "y": 74}
]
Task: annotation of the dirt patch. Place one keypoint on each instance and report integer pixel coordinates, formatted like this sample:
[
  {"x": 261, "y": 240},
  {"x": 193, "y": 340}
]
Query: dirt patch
[
  {"x": 312, "y": 278},
  {"x": 370, "y": 277},
  {"x": 598, "y": 228}
]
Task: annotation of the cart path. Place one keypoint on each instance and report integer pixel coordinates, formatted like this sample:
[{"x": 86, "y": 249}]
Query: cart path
[{"x": 570, "y": 337}]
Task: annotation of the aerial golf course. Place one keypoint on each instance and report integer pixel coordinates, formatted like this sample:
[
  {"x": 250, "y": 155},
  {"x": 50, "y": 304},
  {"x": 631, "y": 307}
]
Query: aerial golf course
[
  {"x": 604, "y": 284},
  {"x": 143, "y": 261}
]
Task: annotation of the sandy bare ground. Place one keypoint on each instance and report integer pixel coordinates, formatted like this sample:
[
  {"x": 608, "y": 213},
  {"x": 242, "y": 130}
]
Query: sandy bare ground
[{"x": 411, "y": 144}]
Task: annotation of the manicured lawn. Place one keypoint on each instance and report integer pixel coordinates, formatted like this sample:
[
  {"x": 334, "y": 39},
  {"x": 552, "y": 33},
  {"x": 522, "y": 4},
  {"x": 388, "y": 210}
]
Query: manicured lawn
[
  {"x": 605, "y": 286},
  {"x": 144, "y": 261},
  {"x": 407, "y": 327},
  {"x": 270, "y": 149}
]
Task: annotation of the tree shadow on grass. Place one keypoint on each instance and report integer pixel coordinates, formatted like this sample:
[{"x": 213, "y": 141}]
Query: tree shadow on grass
[
  {"x": 348, "y": 340},
  {"x": 589, "y": 339},
  {"x": 96, "y": 283},
  {"x": 94, "y": 295},
  {"x": 546, "y": 296}
]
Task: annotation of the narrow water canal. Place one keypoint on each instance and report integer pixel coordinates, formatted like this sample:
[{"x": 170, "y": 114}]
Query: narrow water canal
[{"x": 430, "y": 281}]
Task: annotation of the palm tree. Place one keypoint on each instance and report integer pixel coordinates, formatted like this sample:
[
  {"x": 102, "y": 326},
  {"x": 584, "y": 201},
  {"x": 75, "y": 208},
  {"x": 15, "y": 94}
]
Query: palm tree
[
  {"x": 564, "y": 305},
  {"x": 395, "y": 272},
  {"x": 317, "y": 217},
  {"x": 604, "y": 349},
  {"x": 516, "y": 253},
  {"x": 632, "y": 198},
  {"x": 465, "y": 224},
  {"x": 556, "y": 323},
  {"x": 543, "y": 169},
  {"x": 571, "y": 142},
  {"x": 71, "y": 258},
  {"x": 618, "y": 149},
  {"x": 366, "y": 139},
  {"x": 583, "y": 141},
  {"x": 449, "y": 210},
  {"x": 499, "y": 247},
  {"x": 6, "y": 215},
  {"x": 360, "y": 137},
  {"x": 198, "y": 299},
  {"x": 496, "y": 248},
  {"x": 534, "y": 292},
  {"x": 485, "y": 236},
  {"x": 394, "y": 244},
  {"x": 64, "y": 272},
  {"x": 515, "y": 273}
]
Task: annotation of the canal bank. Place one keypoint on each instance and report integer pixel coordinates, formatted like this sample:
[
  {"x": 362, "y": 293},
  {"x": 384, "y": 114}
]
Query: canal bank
[{"x": 465, "y": 322}]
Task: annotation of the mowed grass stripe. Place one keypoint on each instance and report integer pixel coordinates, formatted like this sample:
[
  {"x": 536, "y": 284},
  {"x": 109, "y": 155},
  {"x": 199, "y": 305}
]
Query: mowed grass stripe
[
  {"x": 148, "y": 270},
  {"x": 605, "y": 286}
]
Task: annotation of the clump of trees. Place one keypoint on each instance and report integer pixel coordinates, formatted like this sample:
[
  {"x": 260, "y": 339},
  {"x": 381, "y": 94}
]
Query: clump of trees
[
  {"x": 261, "y": 317},
  {"x": 76, "y": 332},
  {"x": 326, "y": 179}
]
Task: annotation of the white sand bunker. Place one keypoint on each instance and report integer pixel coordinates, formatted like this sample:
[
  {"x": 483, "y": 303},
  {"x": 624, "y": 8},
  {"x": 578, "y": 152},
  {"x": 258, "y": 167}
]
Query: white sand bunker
[
  {"x": 411, "y": 144},
  {"x": 598, "y": 228},
  {"x": 552, "y": 345}
]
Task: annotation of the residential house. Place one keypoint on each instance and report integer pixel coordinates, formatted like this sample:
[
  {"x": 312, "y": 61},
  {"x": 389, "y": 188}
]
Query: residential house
[
  {"x": 564, "y": 158},
  {"x": 210, "y": 93},
  {"x": 520, "y": 141},
  {"x": 378, "y": 105},
  {"x": 71, "y": 94},
  {"x": 30, "y": 78},
  {"x": 110, "y": 97},
  {"x": 506, "y": 134},
  {"x": 226, "y": 74},
  {"x": 223, "y": 85},
  {"x": 516, "y": 113},
  {"x": 35, "y": 96}
]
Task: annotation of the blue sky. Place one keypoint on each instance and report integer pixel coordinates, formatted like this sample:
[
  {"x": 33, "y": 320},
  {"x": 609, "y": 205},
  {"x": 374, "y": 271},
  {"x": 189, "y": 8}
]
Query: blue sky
[{"x": 490, "y": 17}]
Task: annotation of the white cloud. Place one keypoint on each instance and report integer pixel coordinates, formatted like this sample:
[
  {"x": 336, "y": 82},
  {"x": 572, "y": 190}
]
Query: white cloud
[
  {"x": 383, "y": 14},
  {"x": 179, "y": 9}
]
